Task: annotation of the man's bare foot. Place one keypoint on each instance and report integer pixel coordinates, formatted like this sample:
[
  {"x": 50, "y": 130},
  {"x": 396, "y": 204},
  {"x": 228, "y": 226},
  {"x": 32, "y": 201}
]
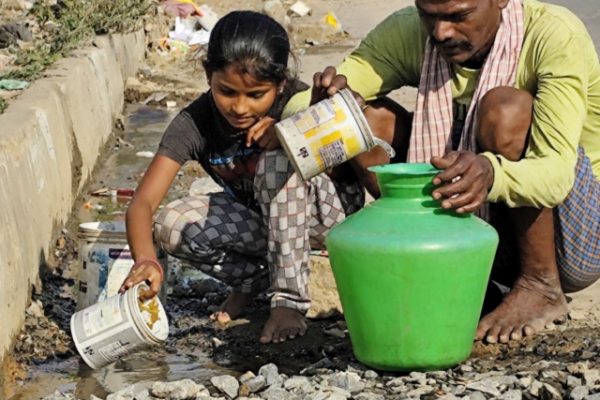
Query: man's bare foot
[
  {"x": 283, "y": 323},
  {"x": 232, "y": 307},
  {"x": 526, "y": 310}
]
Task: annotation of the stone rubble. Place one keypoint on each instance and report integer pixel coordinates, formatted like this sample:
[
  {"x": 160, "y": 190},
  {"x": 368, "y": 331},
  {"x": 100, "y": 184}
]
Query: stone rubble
[{"x": 474, "y": 380}]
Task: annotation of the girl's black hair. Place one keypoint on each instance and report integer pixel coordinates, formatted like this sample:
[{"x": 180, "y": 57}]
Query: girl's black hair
[{"x": 252, "y": 42}]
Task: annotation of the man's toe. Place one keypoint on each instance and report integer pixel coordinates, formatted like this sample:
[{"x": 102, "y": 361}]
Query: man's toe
[
  {"x": 504, "y": 335},
  {"x": 492, "y": 335},
  {"x": 293, "y": 332},
  {"x": 517, "y": 333}
]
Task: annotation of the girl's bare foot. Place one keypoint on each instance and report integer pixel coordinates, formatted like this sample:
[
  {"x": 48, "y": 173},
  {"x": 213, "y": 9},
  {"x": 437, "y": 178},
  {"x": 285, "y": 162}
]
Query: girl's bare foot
[
  {"x": 232, "y": 308},
  {"x": 526, "y": 310},
  {"x": 284, "y": 323}
]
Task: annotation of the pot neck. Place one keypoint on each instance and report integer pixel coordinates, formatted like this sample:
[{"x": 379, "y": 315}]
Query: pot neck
[{"x": 411, "y": 185}]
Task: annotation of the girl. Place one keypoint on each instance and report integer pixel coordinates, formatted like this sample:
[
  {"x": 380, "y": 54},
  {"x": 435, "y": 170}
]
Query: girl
[{"x": 255, "y": 235}]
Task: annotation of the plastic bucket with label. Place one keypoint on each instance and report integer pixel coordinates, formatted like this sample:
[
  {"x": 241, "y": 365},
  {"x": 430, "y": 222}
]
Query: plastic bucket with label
[
  {"x": 105, "y": 262},
  {"x": 106, "y": 331},
  {"x": 327, "y": 134}
]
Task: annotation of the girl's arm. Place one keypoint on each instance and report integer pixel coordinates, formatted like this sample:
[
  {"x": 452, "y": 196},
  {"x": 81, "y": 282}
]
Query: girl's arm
[{"x": 148, "y": 196}]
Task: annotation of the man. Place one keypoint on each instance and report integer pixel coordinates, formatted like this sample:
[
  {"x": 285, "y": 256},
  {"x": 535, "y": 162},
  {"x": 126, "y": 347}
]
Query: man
[{"x": 509, "y": 109}]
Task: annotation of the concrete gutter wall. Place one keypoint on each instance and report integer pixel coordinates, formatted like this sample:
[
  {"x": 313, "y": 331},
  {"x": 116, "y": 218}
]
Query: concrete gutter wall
[{"x": 50, "y": 140}]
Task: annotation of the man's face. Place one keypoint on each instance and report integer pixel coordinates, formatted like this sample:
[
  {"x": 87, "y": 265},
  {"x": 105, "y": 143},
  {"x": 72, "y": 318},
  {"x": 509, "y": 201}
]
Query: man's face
[{"x": 463, "y": 31}]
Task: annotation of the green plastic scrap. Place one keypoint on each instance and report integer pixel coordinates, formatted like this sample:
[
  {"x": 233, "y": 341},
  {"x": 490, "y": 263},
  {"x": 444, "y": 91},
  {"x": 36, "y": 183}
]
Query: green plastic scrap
[{"x": 13, "y": 84}]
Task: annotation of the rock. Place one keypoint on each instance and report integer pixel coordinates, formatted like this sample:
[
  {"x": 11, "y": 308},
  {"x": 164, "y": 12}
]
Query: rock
[
  {"x": 396, "y": 382},
  {"x": 559, "y": 376},
  {"x": 202, "y": 394},
  {"x": 593, "y": 397},
  {"x": 439, "y": 375},
  {"x": 274, "y": 393},
  {"x": 298, "y": 383},
  {"x": 163, "y": 390},
  {"x": 549, "y": 392},
  {"x": 590, "y": 377},
  {"x": 271, "y": 374},
  {"x": 369, "y": 396},
  {"x": 578, "y": 368},
  {"x": 125, "y": 394},
  {"x": 186, "y": 389},
  {"x": 535, "y": 388},
  {"x": 346, "y": 380},
  {"x": 573, "y": 382},
  {"x": 449, "y": 397},
  {"x": 253, "y": 385},
  {"x": 59, "y": 396},
  {"x": 92, "y": 397},
  {"x": 511, "y": 395},
  {"x": 143, "y": 395},
  {"x": 325, "y": 300},
  {"x": 579, "y": 393},
  {"x": 226, "y": 384},
  {"x": 416, "y": 377},
  {"x": 324, "y": 363},
  {"x": 527, "y": 381},
  {"x": 247, "y": 376},
  {"x": 371, "y": 375},
  {"x": 483, "y": 387},
  {"x": 476, "y": 396},
  {"x": 498, "y": 381},
  {"x": 335, "y": 333},
  {"x": 418, "y": 392}
]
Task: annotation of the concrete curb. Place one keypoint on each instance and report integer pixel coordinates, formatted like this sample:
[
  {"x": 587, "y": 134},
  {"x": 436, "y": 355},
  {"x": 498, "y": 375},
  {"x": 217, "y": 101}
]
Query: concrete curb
[{"x": 50, "y": 140}]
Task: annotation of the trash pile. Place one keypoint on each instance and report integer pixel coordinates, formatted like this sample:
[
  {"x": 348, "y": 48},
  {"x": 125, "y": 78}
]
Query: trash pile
[{"x": 193, "y": 25}]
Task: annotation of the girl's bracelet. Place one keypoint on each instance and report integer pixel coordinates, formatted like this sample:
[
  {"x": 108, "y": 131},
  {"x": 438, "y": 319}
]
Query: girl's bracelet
[{"x": 152, "y": 261}]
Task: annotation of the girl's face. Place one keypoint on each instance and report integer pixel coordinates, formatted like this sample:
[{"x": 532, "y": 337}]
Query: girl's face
[{"x": 240, "y": 98}]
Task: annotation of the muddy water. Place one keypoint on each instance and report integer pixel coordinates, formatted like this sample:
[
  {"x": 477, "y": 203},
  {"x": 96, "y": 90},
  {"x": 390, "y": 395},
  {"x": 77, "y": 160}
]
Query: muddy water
[{"x": 121, "y": 168}]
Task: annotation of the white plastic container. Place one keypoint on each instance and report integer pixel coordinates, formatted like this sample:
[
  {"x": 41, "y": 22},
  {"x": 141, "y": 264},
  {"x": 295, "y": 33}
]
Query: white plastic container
[
  {"x": 327, "y": 134},
  {"x": 105, "y": 332},
  {"x": 105, "y": 262}
]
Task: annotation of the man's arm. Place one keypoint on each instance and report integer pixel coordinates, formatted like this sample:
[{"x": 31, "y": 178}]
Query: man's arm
[{"x": 387, "y": 59}]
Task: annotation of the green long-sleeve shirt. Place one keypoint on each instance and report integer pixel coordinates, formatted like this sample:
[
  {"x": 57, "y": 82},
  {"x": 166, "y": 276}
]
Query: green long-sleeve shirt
[{"x": 558, "y": 66}]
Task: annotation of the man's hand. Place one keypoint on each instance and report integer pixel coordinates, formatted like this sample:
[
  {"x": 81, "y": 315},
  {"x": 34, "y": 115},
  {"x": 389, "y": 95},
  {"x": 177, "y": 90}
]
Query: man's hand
[
  {"x": 468, "y": 179},
  {"x": 263, "y": 134},
  {"x": 328, "y": 83},
  {"x": 142, "y": 272}
]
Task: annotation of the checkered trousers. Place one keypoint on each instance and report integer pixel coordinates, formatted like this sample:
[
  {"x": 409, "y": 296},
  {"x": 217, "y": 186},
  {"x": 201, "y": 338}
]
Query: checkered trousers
[
  {"x": 253, "y": 252},
  {"x": 219, "y": 236},
  {"x": 298, "y": 214},
  {"x": 576, "y": 234}
]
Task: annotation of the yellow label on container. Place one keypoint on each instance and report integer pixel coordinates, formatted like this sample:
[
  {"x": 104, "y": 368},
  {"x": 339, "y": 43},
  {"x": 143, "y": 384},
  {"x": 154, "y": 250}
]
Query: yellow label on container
[{"x": 329, "y": 151}]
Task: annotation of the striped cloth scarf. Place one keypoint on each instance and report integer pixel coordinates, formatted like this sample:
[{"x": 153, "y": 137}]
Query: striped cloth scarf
[{"x": 432, "y": 124}]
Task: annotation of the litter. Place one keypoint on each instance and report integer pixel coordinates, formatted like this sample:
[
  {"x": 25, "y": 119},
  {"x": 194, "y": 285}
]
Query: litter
[
  {"x": 13, "y": 84},
  {"x": 12, "y": 32},
  {"x": 145, "y": 154},
  {"x": 204, "y": 186},
  {"x": 200, "y": 38},
  {"x": 181, "y": 8},
  {"x": 332, "y": 20},
  {"x": 157, "y": 97},
  {"x": 184, "y": 28},
  {"x": 171, "y": 104},
  {"x": 300, "y": 8},
  {"x": 208, "y": 19}
]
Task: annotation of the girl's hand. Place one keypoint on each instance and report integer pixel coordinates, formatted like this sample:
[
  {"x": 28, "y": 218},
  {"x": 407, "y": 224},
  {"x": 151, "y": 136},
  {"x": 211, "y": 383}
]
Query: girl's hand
[
  {"x": 263, "y": 134},
  {"x": 144, "y": 271}
]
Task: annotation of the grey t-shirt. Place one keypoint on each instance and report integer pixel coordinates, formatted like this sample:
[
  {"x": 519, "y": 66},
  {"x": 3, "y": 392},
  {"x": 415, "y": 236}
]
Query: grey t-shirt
[{"x": 198, "y": 133}]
